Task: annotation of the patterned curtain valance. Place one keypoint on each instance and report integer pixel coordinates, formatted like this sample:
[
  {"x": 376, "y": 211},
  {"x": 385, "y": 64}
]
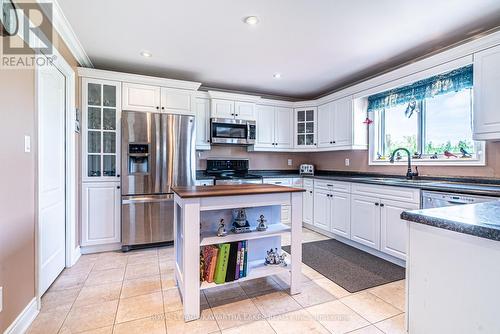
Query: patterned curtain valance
[{"x": 455, "y": 80}]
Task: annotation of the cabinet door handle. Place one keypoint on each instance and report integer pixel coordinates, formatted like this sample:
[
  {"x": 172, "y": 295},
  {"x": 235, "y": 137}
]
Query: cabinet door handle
[
  {"x": 381, "y": 204},
  {"x": 236, "y": 115},
  {"x": 333, "y": 142},
  {"x": 117, "y": 187},
  {"x": 208, "y": 140},
  {"x": 118, "y": 175},
  {"x": 162, "y": 108},
  {"x": 157, "y": 107},
  {"x": 310, "y": 191},
  {"x": 377, "y": 204}
]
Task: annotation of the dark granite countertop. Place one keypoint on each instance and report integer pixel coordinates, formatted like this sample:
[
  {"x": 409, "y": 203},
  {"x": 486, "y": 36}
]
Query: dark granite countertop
[
  {"x": 480, "y": 220},
  {"x": 486, "y": 187}
]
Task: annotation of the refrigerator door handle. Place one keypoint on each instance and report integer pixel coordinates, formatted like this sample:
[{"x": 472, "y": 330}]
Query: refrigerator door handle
[{"x": 147, "y": 199}]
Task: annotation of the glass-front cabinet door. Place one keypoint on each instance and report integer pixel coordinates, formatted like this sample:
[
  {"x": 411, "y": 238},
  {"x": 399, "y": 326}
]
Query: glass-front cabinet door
[
  {"x": 305, "y": 127},
  {"x": 101, "y": 110}
]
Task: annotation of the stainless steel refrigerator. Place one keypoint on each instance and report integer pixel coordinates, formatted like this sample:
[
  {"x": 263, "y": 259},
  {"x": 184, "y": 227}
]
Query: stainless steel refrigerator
[{"x": 158, "y": 152}]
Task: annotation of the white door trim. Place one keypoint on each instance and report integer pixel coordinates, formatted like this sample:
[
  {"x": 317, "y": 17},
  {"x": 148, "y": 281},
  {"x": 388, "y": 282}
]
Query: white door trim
[{"x": 72, "y": 248}]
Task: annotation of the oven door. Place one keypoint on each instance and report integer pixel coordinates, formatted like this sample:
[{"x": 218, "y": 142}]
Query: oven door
[{"x": 229, "y": 131}]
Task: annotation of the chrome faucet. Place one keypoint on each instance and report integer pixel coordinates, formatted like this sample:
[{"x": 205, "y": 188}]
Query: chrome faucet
[{"x": 409, "y": 174}]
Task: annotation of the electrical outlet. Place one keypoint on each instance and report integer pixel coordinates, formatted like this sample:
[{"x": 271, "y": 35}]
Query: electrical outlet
[
  {"x": 1, "y": 298},
  {"x": 290, "y": 162},
  {"x": 347, "y": 162}
]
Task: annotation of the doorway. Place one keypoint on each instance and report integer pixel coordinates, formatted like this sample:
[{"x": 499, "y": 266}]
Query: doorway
[{"x": 56, "y": 241}]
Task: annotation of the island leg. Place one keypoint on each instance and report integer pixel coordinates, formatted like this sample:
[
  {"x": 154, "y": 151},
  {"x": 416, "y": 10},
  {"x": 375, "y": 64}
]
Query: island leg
[
  {"x": 191, "y": 256},
  {"x": 296, "y": 246}
]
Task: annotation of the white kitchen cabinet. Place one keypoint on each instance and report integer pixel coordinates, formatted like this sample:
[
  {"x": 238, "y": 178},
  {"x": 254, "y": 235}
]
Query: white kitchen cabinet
[
  {"x": 305, "y": 128},
  {"x": 335, "y": 124},
  {"x": 322, "y": 209},
  {"x": 176, "y": 101},
  {"x": 101, "y": 205},
  {"x": 139, "y": 97},
  {"x": 486, "y": 98},
  {"x": 222, "y": 108},
  {"x": 101, "y": 124},
  {"x": 394, "y": 230},
  {"x": 244, "y": 110},
  {"x": 202, "y": 119},
  {"x": 365, "y": 220},
  {"x": 308, "y": 205},
  {"x": 266, "y": 124},
  {"x": 285, "y": 209},
  {"x": 274, "y": 128},
  {"x": 340, "y": 213}
]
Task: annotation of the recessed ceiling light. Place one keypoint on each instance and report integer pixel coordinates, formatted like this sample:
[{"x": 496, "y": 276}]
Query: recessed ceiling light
[
  {"x": 146, "y": 54},
  {"x": 251, "y": 20},
  {"x": 277, "y": 75}
]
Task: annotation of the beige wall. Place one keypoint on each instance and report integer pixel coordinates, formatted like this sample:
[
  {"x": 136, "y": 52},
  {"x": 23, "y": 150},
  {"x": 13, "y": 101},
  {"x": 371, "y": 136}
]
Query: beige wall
[
  {"x": 18, "y": 188},
  {"x": 258, "y": 160},
  {"x": 359, "y": 163}
]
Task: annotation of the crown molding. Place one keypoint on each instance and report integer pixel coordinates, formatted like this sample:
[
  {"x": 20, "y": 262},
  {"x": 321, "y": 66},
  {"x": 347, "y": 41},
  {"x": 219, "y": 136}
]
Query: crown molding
[
  {"x": 136, "y": 78},
  {"x": 61, "y": 24}
]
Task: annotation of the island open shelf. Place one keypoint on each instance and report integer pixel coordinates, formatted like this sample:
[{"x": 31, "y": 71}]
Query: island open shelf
[{"x": 196, "y": 217}]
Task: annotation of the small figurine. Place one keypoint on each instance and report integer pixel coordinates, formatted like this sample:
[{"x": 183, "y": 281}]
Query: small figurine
[
  {"x": 380, "y": 156},
  {"x": 434, "y": 156},
  {"x": 221, "y": 230},
  {"x": 240, "y": 222},
  {"x": 417, "y": 155},
  {"x": 262, "y": 223},
  {"x": 273, "y": 258},
  {"x": 448, "y": 154},
  {"x": 465, "y": 154}
]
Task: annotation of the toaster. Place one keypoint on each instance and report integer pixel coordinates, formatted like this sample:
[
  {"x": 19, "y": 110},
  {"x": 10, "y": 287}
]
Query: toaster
[{"x": 306, "y": 169}]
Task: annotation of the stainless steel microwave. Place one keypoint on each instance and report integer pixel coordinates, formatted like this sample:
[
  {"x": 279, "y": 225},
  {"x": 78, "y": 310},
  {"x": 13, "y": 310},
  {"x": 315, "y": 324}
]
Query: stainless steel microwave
[{"x": 232, "y": 131}]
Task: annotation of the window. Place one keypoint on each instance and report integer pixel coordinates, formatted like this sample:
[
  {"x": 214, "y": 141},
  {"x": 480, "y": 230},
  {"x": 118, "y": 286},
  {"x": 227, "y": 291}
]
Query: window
[{"x": 431, "y": 118}]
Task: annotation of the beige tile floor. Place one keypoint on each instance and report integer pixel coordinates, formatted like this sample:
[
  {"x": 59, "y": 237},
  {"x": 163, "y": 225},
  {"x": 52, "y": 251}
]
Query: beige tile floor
[{"x": 135, "y": 292}]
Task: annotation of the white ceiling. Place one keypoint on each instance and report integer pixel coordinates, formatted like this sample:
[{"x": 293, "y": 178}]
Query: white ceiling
[{"x": 317, "y": 45}]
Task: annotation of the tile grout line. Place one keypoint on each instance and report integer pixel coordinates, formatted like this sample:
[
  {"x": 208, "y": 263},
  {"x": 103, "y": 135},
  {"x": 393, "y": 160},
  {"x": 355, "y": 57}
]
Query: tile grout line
[
  {"x": 74, "y": 301},
  {"x": 119, "y": 296}
]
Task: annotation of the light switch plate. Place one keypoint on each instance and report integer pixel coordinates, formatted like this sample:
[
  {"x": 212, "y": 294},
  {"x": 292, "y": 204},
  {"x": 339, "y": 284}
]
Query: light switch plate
[
  {"x": 347, "y": 162},
  {"x": 27, "y": 144},
  {"x": 290, "y": 162}
]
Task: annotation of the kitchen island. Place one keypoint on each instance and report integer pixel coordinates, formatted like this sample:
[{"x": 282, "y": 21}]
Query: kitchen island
[
  {"x": 197, "y": 215},
  {"x": 453, "y": 269}
]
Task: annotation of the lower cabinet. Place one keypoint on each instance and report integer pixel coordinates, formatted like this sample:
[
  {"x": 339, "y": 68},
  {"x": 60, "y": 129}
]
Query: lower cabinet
[
  {"x": 308, "y": 205},
  {"x": 322, "y": 209},
  {"x": 332, "y": 211},
  {"x": 340, "y": 214},
  {"x": 365, "y": 221},
  {"x": 393, "y": 229},
  {"x": 376, "y": 223},
  {"x": 101, "y": 204}
]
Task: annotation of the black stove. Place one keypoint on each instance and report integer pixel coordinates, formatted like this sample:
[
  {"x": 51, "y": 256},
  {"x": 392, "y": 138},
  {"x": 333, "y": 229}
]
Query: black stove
[{"x": 231, "y": 171}]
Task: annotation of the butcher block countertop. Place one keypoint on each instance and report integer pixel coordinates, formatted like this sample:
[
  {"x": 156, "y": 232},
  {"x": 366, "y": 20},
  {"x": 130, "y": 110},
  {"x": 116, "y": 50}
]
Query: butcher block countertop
[{"x": 232, "y": 190}]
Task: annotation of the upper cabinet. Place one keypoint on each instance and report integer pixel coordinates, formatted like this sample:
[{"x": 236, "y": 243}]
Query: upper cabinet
[
  {"x": 141, "y": 97},
  {"x": 305, "y": 127},
  {"x": 148, "y": 98},
  {"x": 101, "y": 114},
  {"x": 486, "y": 96},
  {"x": 274, "y": 128},
  {"x": 340, "y": 124},
  {"x": 202, "y": 119},
  {"x": 229, "y": 105}
]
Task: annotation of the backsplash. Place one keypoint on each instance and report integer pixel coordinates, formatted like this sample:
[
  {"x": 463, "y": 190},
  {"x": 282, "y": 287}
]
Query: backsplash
[
  {"x": 258, "y": 160},
  {"x": 334, "y": 161}
]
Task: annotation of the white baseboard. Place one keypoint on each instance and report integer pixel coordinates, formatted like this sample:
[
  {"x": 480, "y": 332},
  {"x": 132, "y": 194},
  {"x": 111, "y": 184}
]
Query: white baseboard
[
  {"x": 354, "y": 244},
  {"x": 100, "y": 248},
  {"x": 23, "y": 321},
  {"x": 76, "y": 253}
]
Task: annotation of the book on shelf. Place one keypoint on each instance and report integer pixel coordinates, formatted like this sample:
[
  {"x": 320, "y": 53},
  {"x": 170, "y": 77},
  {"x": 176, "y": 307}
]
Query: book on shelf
[
  {"x": 223, "y": 263},
  {"x": 221, "y": 266}
]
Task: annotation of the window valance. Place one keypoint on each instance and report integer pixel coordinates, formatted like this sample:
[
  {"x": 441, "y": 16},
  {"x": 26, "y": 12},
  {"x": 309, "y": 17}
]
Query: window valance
[{"x": 455, "y": 80}]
